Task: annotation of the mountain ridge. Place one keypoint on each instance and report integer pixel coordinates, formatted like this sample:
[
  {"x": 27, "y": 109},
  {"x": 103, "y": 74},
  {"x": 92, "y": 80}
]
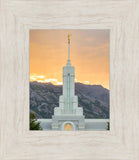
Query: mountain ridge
[{"x": 44, "y": 97}]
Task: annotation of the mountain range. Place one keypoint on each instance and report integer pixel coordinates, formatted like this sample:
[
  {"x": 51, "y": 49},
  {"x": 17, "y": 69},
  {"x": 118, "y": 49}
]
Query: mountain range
[{"x": 44, "y": 97}]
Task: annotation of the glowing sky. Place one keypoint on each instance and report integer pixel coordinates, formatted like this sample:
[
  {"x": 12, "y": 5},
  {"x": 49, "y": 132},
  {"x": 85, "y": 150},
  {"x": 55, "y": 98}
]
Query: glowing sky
[{"x": 89, "y": 52}]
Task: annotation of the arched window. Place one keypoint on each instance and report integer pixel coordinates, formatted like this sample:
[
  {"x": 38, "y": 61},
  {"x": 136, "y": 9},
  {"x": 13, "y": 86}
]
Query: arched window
[{"x": 68, "y": 127}]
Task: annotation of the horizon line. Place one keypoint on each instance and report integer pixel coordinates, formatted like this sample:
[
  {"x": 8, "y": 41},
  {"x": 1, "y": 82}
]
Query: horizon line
[{"x": 75, "y": 82}]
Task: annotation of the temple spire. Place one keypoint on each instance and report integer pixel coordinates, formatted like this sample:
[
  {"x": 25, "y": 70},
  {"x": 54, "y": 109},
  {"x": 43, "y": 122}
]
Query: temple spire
[{"x": 68, "y": 62}]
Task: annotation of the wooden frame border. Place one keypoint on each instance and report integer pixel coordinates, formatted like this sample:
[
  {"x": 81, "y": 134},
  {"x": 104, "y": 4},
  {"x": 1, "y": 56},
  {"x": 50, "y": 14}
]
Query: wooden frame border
[{"x": 17, "y": 18}]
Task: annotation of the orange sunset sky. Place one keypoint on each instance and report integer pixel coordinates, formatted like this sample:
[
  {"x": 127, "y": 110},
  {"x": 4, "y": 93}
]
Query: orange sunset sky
[{"x": 89, "y": 54}]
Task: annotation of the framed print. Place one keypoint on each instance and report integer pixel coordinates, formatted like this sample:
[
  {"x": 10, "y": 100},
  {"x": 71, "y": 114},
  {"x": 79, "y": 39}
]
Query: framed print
[
  {"x": 18, "y": 21},
  {"x": 69, "y": 100}
]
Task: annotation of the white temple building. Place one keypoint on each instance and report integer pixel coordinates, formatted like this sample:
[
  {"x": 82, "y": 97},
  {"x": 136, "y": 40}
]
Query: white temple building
[{"x": 68, "y": 116}]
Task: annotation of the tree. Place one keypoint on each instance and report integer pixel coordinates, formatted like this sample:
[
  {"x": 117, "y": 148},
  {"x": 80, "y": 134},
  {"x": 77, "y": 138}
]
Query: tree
[
  {"x": 34, "y": 125},
  {"x": 108, "y": 125}
]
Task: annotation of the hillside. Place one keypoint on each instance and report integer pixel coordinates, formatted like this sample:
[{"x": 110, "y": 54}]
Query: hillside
[{"x": 45, "y": 96}]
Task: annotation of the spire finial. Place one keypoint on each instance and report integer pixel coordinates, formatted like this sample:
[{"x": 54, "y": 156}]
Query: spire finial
[
  {"x": 68, "y": 63},
  {"x": 68, "y": 38}
]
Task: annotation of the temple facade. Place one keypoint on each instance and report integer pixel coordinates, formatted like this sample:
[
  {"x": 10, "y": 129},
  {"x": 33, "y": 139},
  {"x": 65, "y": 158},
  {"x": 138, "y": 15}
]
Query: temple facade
[{"x": 68, "y": 116}]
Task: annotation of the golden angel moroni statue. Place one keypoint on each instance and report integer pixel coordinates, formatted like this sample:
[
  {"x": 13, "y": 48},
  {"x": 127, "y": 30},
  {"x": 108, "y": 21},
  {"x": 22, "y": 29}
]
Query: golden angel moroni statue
[{"x": 68, "y": 38}]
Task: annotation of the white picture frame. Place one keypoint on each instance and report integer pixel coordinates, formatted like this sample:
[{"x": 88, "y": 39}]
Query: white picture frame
[{"x": 17, "y": 142}]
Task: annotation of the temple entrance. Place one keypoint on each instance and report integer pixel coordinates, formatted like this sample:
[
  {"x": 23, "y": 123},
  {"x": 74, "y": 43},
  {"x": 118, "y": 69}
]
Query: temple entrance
[{"x": 68, "y": 127}]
